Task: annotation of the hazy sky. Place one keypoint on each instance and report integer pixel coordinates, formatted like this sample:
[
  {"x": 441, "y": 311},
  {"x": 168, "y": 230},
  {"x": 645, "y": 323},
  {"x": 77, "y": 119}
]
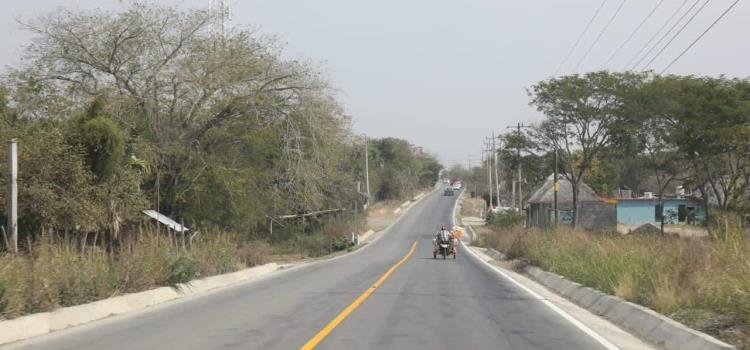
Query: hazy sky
[{"x": 445, "y": 74}]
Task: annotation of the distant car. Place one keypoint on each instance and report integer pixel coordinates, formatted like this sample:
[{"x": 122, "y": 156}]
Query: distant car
[{"x": 448, "y": 192}]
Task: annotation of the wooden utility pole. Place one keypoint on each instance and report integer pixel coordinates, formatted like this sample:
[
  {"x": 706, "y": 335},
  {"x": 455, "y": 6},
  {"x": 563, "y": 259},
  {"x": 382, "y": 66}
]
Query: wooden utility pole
[
  {"x": 518, "y": 155},
  {"x": 520, "y": 196},
  {"x": 11, "y": 207},
  {"x": 367, "y": 171},
  {"x": 497, "y": 180},
  {"x": 556, "y": 186},
  {"x": 489, "y": 170}
]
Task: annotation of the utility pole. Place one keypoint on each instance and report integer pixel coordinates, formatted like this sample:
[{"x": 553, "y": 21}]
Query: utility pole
[
  {"x": 556, "y": 187},
  {"x": 221, "y": 12},
  {"x": 356, "y": 219},
  {"x": 513, "y": 194},
  {"x": 520, "y": 196},
  {"x": 367, "y": 172},
  {"x": 489, "y": 169},
  {"x": 518, "y": 155},
  {"x": 11, "y": 208},
  {"x": 497, "y": 181},
  {"x": 481, "y": 163}
]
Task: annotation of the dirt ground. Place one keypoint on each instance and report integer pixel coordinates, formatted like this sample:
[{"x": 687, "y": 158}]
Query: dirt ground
[
  {"x": 471, "y": 207},
  {"x": 380, "y": 215}
]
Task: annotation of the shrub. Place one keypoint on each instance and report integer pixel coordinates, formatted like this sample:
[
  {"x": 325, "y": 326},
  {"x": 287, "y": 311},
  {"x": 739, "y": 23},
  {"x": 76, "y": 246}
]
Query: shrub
[
  {"x": 3, "y": 297},
  {"x": 506, "y": 219},
  {"x": 319, "y": 244},
  {"x": 181, "y": 269}
]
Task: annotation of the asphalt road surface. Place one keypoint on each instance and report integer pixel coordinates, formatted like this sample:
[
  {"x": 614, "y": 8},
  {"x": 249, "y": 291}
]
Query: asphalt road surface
[{"x": 423, "y": 304}]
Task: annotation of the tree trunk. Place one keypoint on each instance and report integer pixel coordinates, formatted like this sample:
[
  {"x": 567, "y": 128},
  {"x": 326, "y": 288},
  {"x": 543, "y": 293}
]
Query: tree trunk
[{"x": 574, "y": 185}]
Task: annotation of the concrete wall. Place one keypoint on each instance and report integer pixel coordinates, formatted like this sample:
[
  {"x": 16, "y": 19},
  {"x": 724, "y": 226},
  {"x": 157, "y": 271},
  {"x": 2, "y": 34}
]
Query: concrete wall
[
  {"x": 638, "y": 212},
  {"x": 600, "y": 216}
]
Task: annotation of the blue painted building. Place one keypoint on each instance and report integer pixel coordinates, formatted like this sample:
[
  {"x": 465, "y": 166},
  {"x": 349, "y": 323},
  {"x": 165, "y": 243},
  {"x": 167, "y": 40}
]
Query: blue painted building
[{"x": 638, "y": 211}]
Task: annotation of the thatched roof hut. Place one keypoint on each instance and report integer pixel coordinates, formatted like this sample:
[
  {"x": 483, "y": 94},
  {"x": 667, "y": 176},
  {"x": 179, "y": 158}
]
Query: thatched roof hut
[
  {"x": 593, "y": 212},
  {"x": 546, "y": 194}
]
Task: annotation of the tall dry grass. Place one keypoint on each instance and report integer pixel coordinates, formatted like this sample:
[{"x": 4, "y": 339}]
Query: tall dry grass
[
  {"x": 701, "y": 278},
  {"x": 56, "y": 273}
]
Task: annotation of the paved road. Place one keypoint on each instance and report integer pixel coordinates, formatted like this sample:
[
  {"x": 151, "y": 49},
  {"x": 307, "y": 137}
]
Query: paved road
[{"x": 425, "y": 304}]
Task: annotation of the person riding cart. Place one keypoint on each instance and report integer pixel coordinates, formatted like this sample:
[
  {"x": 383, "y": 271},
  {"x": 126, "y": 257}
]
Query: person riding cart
[{"x": 441, "y": 239}]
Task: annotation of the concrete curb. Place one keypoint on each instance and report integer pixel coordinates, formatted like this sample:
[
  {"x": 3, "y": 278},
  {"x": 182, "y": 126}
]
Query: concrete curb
[
  {"x": 645, "y": 323},
  {"x": 46, "y": 322},
  {"x": 365, "y": 236},
  {"x": 472, "y": 233}
]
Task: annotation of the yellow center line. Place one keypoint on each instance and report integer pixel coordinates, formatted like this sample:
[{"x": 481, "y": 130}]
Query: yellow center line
[{"x": 317, "y": 338}]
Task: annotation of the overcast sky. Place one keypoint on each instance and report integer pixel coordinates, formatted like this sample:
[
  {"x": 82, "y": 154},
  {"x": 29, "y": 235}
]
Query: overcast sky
[{"x": 445, "y": 74}]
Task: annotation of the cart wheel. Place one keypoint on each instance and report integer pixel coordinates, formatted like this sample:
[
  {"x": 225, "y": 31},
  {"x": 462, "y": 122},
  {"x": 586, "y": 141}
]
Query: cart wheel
[{"x": 443, "y": 256}]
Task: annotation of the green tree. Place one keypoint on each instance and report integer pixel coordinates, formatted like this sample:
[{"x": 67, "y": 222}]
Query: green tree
[
  {"x": 583, "y": 116},
  {"x": 707, "y": 122}
]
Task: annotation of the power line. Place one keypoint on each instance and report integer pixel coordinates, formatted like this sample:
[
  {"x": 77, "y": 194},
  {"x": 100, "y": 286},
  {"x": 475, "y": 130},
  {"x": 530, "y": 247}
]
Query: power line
[
  {"x": 632, "y": 34},
  {"x": 599, "y": 36},
  {"x": 650, "y": 40},
  {"x": 674, "y": 25},
  {"x": 700, "y": 36},
  {"x": 580, "y": 37},
  {"x": 676, "y": 34}
]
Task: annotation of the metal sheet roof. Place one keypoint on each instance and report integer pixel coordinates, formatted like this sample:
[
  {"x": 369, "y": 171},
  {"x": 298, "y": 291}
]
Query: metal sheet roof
[{"x": 165, "y": 220}]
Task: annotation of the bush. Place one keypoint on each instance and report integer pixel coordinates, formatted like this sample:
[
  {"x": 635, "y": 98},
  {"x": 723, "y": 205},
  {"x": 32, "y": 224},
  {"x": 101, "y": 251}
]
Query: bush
[
  {"x": 3, "y": 297},
  {"x": 319, "y": 244},
  {"x": 506, "y": 219},
  {"x": 181, "y": 269}
]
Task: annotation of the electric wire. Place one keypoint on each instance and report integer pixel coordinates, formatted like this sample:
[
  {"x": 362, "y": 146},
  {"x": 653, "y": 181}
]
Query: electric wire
[
  {"x": 599, "y": 36},
  {"x": 632, "y": 34},
  {"x": 666, "y": 34},
  {"x": 580, "y": 36},
  {"x": 676, "y": 34},
  {"x": 700, "y": 36},
  {"x": 650, "y": 40}
]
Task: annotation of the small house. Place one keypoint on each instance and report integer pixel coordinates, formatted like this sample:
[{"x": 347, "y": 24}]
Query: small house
[
  {"x": 593, "y": 212},
  {"x": 636, "y": 212}
]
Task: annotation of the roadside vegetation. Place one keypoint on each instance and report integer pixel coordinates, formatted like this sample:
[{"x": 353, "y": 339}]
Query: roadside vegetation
[
  {"x": 151, "y": 108},
  {"x": 702, "y": 283},
  {"x": 53, "y": 272}
]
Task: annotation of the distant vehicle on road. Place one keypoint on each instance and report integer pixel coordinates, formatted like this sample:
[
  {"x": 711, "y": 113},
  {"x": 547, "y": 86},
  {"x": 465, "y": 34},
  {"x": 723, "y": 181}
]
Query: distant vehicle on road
[{"x": 448, "y": 191}]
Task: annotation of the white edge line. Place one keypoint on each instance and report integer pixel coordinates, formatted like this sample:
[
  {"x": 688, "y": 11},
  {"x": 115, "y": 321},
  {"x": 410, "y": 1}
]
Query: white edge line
[
  {"x": 536, "y": 296},
  {"x": 549, "y": 304}
]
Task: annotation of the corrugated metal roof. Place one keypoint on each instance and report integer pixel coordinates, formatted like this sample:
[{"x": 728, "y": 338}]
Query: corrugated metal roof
[{"x": 165, "y": 220}]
